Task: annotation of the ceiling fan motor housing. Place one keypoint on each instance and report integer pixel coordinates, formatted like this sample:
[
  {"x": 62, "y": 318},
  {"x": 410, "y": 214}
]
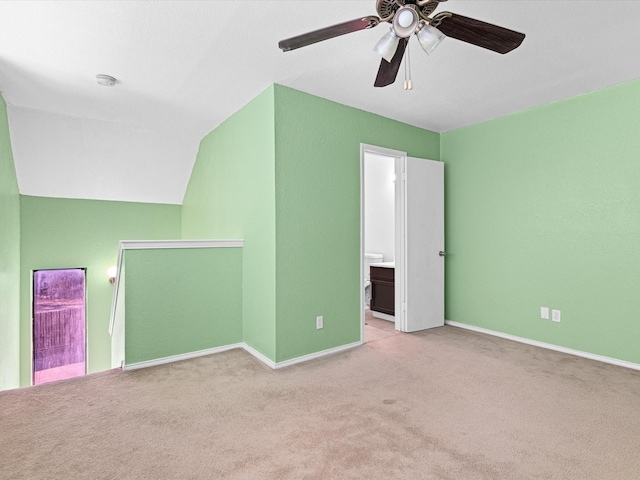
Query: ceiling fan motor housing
[{"x": 388, "y": 8}]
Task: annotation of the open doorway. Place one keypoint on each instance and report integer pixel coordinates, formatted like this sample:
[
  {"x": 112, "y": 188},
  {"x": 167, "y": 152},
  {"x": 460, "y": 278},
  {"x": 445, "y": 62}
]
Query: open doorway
[
  {"x": 380, "y": 235},
  {"x": 411, "y": 278},
  {"x": 59, "y": 325}
]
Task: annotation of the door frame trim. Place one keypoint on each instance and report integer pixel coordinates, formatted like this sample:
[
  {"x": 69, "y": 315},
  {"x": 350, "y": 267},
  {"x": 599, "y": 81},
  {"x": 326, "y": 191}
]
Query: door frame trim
[{"x": 400, "y": 267}]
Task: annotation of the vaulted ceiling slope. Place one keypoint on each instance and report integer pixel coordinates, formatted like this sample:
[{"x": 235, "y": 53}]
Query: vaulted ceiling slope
[{"x": 183, "y": 67}]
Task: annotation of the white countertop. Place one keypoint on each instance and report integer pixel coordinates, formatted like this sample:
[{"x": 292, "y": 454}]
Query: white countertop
[{"x": 384, "y": 264}]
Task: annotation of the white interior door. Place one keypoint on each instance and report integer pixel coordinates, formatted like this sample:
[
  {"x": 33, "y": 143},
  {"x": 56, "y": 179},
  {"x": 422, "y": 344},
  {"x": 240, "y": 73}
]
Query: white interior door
[{"x": 423, "y": 244}]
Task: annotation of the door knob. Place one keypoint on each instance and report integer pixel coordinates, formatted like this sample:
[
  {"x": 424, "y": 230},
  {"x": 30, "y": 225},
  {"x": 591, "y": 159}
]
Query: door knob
[{"x": 442, "y": 254}]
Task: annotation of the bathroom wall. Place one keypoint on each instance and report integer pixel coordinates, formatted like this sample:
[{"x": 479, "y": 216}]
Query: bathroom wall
[{"x": 379, "y": 205}]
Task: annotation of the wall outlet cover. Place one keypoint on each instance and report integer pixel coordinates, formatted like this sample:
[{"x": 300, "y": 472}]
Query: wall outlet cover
[
  {"x": 544, "y": 313},
  {"x": 555, "y": 315},
  {"x": 319, "y": 322}
]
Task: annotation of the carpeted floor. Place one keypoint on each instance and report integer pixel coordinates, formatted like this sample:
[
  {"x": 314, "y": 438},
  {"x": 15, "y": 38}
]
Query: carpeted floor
[
  {"x": 376, "y": 328},
  {"x": 440, "y": 404},
  {"x": 59, "y": 373}
]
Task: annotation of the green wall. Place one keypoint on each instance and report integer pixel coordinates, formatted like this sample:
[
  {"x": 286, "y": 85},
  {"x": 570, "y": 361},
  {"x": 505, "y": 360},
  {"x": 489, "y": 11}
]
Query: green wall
[
  {"x": 64, "y": 233},
  {"x": 9, "y": 261},
  {"x": 318, "y": 214},
  {"x": 181, "y": 301},
  {"x": 542, "y": 209},
  {"x": 283, "y": 173},
  {"x": 231, "y": 196}
]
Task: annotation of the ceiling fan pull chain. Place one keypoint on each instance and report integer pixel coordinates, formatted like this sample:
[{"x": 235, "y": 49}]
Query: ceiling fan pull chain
[{"x": 408, "y": 84}]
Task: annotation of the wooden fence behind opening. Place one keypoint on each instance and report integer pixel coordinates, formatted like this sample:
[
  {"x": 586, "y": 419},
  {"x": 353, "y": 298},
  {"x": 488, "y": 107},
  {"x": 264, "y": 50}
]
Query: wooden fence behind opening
[{"x": 58, "y": 338}]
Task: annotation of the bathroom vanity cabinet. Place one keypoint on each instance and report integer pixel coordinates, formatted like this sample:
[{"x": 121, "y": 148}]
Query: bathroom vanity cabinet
[{"x": 383, "y": 288}]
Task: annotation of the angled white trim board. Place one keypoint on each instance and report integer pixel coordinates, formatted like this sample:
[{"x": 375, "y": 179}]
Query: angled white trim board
[
  {"x": 184, "y": 356},
  {"x": 313, "y": 356},
  {"x": 548, "y": 346},
  {"x": 268, "y": 362},
  {"x": 264, "y": 359}
]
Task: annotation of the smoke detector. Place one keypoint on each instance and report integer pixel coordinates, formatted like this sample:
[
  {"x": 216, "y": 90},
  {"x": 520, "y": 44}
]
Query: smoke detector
[{"x": 105, "y": 80}]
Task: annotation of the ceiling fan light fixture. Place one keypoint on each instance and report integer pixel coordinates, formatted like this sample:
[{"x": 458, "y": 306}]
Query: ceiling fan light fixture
[
  {"x": 405, "y": 18},
  {"x": 405, "y": 22},
  {"x": 409, "y": 17},
  {"x": 387, "y": 45},
  {"x": 429, "y": 38}
]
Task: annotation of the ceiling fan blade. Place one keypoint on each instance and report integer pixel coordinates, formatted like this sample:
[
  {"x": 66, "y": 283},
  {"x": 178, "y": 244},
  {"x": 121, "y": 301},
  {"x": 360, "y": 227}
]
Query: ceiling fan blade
[
  {"x": 328, "y": 32},
  {"x": 482, "y": 34},
  {"x": 388, "y": 71}
]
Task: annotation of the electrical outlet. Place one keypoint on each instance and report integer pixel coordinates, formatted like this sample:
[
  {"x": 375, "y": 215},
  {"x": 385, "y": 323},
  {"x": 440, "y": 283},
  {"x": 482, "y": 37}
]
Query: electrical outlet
[
  {"x": 319, "y": 322},
  {"x": 544, "y": 313},
  {"x": 555, "y": 315}
]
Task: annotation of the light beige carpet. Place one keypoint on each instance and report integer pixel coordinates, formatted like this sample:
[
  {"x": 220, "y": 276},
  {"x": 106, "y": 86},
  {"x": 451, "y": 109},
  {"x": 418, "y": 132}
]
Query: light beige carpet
[
  {"x": 442, "y": 404},
  {"x": 376, "y": 328}
]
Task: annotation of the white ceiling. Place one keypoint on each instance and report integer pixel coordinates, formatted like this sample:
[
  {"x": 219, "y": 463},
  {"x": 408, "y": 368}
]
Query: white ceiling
[{"x": 185, "y": 66}]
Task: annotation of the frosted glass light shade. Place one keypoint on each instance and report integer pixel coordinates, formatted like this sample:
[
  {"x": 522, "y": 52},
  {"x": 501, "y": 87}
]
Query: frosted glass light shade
[
  {"x": 387, "y": 45},
  {"x": 405, "y": 18},
  {"x": 429, "y": 38},
  {"x": 405, "y": 22}
]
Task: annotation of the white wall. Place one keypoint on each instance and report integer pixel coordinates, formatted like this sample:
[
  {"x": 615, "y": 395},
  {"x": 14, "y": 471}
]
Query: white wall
[
  {"x": 379, "y": 206},
  {"x": 72, "y": 157}
]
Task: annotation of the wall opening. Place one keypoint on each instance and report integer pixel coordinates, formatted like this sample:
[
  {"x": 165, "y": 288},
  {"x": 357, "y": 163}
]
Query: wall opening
[
  {"x": 59, "y": 325},
  {"x": 380, "y": 230}
]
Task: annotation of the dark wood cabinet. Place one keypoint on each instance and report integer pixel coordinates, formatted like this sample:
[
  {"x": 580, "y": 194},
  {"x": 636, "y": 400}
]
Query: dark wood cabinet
[{"x": 382, "y": 290}]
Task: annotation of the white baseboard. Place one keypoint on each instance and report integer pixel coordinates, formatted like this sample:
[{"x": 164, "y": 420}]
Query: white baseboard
[
  {"x": 548, "y": 346},
  {"x": 383, "y": 316},
  {"x": 183, "y": 356},
  {"x": 313, "y": 356},
  {"x": 264, "y": 359}
]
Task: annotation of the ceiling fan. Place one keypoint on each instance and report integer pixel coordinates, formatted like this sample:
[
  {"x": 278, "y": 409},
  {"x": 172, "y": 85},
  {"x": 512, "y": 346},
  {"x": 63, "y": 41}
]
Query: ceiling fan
[{"x": 409, "y": 17}]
